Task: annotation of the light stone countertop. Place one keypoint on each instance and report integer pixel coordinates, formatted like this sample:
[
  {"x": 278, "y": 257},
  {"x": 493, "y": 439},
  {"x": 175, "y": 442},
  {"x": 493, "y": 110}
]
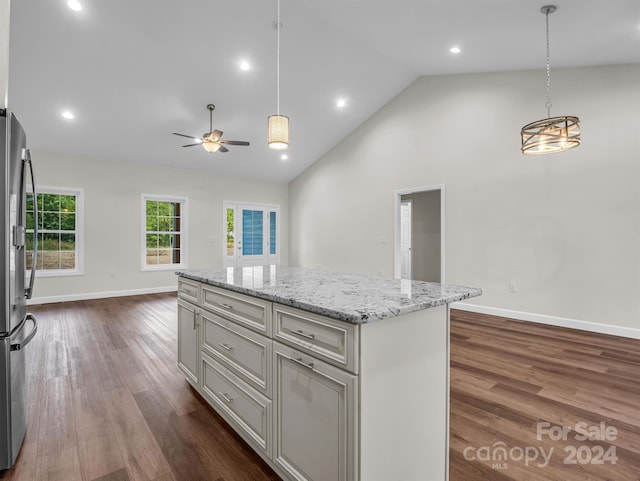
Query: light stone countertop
[{"x": 353, "y": 298}]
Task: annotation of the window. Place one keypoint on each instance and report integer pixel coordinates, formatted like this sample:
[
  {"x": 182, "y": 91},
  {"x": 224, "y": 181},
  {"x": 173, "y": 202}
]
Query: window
[
  {"x": 231, "y": 241},
  {"x": 164, "y": 237},
  {"x": 59, "y": 231},
  {"x": 252, "y": 234},
  {"x": 272, "y": 232}
]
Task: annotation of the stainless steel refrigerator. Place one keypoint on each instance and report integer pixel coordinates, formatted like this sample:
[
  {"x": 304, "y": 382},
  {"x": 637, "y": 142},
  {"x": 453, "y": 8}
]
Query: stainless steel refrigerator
[{"x": 17, "y": 327}]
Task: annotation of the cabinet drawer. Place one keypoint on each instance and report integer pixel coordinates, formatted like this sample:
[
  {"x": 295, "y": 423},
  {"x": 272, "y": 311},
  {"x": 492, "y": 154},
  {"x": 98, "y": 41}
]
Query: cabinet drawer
[
  {"x": 245, "y": 352},
  {"x": 188, "y": 290},
  {"x": 333, "y": 341},
  {"x": 248, "y": 410},
  {"x": 249, "y": 311}
]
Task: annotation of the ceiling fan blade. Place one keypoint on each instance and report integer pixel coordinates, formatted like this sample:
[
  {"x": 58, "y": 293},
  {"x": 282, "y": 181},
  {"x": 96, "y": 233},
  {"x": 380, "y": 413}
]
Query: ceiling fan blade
[
  {"x": 234, "y": 142},
  {"x": 191, "y": 145},
  {"x": 187, "y": 136},
  {"x": 223, "y": 149}
]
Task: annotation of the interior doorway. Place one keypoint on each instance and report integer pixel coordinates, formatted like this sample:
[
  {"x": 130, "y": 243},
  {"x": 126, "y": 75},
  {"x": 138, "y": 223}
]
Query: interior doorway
[{"x": 419, "y": 234}]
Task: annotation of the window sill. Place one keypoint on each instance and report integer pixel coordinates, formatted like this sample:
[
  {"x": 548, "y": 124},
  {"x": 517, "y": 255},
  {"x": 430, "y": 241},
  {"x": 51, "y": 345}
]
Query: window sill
[
  {"x": 163, "y": 267},
  {"x": 58, "y": 273}
]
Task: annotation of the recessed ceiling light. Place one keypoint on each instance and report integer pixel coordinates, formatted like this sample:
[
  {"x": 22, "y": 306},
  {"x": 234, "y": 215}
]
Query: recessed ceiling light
[
  {"x": 341, "y": 103},
  {"x": 68, "y": 115},
  {"x": 74, "y": 5},
  {"x": 284, "y": 157},
  {"x": 244, "y": 65},
  {"x": 455, "y": 50}
]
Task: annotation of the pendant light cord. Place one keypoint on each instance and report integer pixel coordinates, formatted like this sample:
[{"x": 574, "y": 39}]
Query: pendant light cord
[
  {"x": 548, "y": 104},
  {"x": 278, "y": 27}
]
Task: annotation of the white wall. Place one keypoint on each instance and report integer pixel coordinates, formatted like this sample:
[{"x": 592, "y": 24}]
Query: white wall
[
  {"x": 4, "y": 52},
  {"x": 565, "y": 227},
  {"x": 112, "y": 206}
]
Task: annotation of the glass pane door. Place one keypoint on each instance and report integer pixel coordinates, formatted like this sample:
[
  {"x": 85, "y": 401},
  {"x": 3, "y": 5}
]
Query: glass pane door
[{"x": 251, "y": 235}]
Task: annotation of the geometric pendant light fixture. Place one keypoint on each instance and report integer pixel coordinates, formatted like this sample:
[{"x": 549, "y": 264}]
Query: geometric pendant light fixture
[
  {"x": 553, "y": 134},
  {"x": 278, "y": 125}
]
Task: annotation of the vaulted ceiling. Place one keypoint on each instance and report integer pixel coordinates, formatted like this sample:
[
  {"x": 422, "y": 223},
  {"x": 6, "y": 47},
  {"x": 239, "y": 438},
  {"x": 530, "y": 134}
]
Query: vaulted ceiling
[{"x": 134, "y": 71}]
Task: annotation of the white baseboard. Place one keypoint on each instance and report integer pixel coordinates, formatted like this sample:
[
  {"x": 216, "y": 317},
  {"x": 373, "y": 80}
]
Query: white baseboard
[
  {"x": 101, "y": 295},
  {"x": 551, "y": 320}
]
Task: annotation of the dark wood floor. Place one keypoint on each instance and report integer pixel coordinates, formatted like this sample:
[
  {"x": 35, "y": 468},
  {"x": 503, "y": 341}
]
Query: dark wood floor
[
  {"x": 507, "y": 376},
  {"x": 107, "y": 402}
]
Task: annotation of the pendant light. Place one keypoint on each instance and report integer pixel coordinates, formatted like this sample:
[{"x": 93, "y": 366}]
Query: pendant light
[
  {"x": 278, "y": 125},
  {"x": 553, "y": 134}
]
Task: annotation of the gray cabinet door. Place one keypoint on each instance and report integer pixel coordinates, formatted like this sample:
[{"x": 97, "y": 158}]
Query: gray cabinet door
[
  {"x": 188, "y": 323},
  {"x": 314, "y": 435}
]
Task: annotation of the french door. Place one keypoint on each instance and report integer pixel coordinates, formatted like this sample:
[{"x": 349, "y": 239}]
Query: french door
[{"x": 252, "y": 234}]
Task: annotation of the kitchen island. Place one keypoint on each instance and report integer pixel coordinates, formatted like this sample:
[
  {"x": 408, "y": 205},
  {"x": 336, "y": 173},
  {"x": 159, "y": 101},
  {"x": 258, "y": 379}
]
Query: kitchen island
[{"x": 328, "y": 376}]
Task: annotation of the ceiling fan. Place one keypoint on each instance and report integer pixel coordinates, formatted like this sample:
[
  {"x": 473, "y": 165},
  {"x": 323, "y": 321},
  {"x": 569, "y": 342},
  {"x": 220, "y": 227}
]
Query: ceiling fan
[{"x": 211, "y": 140}]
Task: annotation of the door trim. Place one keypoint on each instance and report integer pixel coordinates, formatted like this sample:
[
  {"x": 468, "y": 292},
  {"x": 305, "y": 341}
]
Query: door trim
[
  {"x": 397, "y": 258},
  {"x": 403, "y": 242}
]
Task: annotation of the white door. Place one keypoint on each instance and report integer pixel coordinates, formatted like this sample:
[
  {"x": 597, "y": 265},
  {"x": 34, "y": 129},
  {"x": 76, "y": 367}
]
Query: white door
[
  {"x": 405, "y": 239},
  {"x": 252, "y": 235}
]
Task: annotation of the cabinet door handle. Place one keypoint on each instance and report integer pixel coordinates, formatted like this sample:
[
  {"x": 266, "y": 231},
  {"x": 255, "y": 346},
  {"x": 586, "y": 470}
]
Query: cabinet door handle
[
  {"x": 301, "y": 333},
  {"x": 226, "y": 306},
  {"x": 225, "y": 396},
  {"x": 224, "y": 346},
  {"x": 302, "y": 363}
]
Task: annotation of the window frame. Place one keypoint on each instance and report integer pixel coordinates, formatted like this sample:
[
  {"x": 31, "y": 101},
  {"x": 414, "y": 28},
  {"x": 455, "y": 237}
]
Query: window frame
[
  {"x": 78, "y": 192},
  {"x": 184, "y": 229}
]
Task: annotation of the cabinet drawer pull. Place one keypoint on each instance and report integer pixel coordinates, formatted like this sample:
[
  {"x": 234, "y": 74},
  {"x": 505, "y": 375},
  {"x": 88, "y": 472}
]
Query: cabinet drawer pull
[
  {"x": 301, "y": 333},
  {"x": 225, "y": 396},
  {"x": 226, "y": 306},
  {"x": 224, "y": 346},
  {"x": 302, "y": 363}
]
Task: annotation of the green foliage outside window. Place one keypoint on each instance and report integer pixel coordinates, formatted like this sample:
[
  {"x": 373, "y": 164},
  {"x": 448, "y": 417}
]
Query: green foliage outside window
[
  {"x": 56, "y": 231},
  {"x": 163, "y": 225},
  {"x": 230, "y": 230}
]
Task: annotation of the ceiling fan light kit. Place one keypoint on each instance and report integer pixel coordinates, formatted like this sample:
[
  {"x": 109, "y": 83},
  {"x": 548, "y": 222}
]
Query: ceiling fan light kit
[
  {"x": 553, "y": 134},
  {"x": 210, "y": 146},
  {"x": 278, "y": 125},
  {"x": 211, "y": 140}
]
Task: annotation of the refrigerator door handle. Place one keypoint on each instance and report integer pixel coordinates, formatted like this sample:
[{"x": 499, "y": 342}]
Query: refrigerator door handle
[
  {"x": 26, "y": 157},
  {"x": 16, "y": 346}
]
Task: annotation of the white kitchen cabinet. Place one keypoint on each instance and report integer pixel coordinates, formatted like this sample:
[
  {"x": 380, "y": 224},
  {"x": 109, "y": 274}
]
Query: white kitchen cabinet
[
  {"x": 247, "y": 311},
  {"x": 333, "y": 341},
  {"x": 248, "y": 411},
  {"x": 315, "y": 417},
  {"x": 189, "y": 290},
  {"x": 188, "y": 345},
  {"x": 318, "y": 398},
  {"x": 244, "y": 351}
]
